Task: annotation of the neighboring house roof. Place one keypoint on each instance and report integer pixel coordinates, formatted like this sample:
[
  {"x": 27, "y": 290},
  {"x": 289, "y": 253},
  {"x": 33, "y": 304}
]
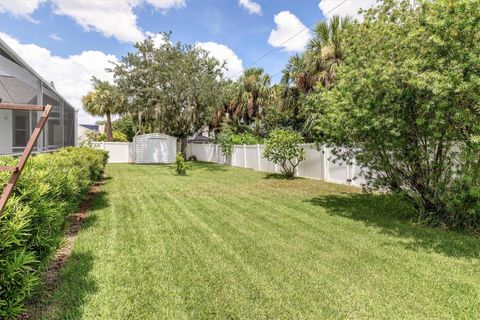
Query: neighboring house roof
[
  {"x": 199, "y": 139},
  {"x": 92, "y": 127}
]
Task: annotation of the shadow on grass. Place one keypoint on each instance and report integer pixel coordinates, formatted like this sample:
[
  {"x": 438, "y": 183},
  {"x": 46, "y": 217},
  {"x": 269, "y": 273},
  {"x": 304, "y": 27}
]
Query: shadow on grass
[
  {"x": 207, "y": 166},
  {"x": 76, "y": 284},
  {"x": 99, "y": 201},
  {"x": 65, "y": 281},
  {"x": 394, "y": 218},
  {"x": 279, "y": 176}
]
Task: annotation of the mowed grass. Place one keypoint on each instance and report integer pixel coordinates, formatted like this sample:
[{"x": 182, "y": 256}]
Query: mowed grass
[{"x": 230, "y": 243}]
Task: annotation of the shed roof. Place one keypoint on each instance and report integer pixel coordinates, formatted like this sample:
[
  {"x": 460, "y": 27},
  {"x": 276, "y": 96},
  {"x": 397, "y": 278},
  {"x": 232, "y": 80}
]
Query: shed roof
[{"x": 154, "y": 135}]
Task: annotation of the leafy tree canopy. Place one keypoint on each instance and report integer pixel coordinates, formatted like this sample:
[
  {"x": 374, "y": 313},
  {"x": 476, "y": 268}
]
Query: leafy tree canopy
[{"x": 169, "y": 87}]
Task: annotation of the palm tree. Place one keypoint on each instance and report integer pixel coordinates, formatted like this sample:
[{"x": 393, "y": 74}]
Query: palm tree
[
  {"x": 296, "y": 73},
  {"x": 104, "y": 100},
  {"x": 254, "y": 91},
  {"x": 324, "y": 51}
]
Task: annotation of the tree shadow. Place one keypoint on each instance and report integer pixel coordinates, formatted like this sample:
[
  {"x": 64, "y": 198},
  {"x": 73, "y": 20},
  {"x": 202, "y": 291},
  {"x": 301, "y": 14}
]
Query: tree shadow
[
  {"x": 207, "y": 166},
  {"x": 75, "y": 285},
  {"x": 279, "y": 176},
  {"x": 65, "y": 280},
  {"x": 103, "y": 180},
  {"x": 394, "y": 217},
  {"x": 99, "y": 201}
]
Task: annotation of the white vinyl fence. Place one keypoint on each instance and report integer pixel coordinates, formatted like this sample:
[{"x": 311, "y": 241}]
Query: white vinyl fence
[
  {"x": 318, "y": 164},
  {"x": 119, "y": 152}
]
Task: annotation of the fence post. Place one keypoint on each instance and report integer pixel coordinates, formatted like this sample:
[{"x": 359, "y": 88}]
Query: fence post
[
  {"x": 325, "y": 163},
  {"x": 258, "y": 157},
  {"x": 244, "y": 155},
  {"x": 348, "y": 174},
  {"x": 233, "y": 156}
]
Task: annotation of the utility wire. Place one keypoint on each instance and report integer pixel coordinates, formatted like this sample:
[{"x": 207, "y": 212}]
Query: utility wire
[{"x": 289, "y": 39}]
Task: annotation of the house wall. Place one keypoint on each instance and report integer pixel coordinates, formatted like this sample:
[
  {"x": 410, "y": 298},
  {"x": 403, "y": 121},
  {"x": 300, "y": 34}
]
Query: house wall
[
  {"x": 6, "y": 131},
  {"x": 82, "y": 133}
]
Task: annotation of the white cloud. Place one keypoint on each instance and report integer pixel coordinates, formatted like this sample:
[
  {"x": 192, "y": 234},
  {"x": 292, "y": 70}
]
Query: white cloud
[
  {"x": 158, "y": 38},
  {"x": 55, "y": 37},
  {"x": 251, "y": 6},
  {"x": 20, "y": 8},
  {"x": 112, "y": 18},
  {"x": 71, "y": 75},
  {"x": 350, "y": 7},
  {"x": 288, "y": 26},
  {"x": 164, "y": 5},
  {"x": 224, "y": 54}
]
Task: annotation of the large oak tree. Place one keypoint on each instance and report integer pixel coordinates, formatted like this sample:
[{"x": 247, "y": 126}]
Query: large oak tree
[{"x": 169, "y": 87}]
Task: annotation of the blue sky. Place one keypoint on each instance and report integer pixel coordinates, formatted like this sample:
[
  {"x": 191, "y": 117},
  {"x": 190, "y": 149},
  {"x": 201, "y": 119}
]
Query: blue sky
[{"x": 68, "y": 41}]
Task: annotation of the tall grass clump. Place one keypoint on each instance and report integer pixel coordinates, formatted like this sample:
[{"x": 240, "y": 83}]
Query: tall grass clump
[{"x": 50, "y": 188}]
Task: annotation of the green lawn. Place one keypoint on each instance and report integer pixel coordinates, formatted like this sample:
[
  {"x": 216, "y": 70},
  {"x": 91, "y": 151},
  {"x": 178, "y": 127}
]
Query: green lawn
[{"x": 229, "y": 243}]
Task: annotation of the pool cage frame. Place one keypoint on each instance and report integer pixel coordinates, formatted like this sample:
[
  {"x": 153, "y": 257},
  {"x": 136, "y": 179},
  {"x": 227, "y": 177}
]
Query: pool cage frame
[{"x": 17, "y": 170}]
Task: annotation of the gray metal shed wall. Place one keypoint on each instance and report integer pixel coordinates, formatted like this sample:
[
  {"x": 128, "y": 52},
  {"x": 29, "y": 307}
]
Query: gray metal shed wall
[{"x": 142, "y": 152}]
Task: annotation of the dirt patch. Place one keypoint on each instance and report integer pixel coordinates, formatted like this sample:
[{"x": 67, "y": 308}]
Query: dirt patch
[{"x": 50, "y": 276}]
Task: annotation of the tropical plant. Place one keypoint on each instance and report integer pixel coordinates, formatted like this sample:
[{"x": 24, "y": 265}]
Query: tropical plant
[
  {"x": 181, "y": 165},
  {"x": 405, "y": 103},
  {"x": 297, "y": 74},
  {"x": 32, "y": 224},
  {"x": 253, "y": 93},
  {"x": 282, "y": 148},
  {"x": 104, "y": 100},
  {"x": 324, "y": 50}
]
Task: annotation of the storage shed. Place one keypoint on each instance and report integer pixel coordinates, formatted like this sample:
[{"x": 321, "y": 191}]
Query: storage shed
[{"x": 154, "y": 148}]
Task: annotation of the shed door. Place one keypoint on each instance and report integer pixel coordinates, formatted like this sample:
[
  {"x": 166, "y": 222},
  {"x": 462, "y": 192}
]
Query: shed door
[{"x": 156, "y": 150}]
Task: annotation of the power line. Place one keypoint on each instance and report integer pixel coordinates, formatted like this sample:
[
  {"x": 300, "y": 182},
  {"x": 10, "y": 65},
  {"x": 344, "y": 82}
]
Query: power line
[{"x": 308, "y": 27}]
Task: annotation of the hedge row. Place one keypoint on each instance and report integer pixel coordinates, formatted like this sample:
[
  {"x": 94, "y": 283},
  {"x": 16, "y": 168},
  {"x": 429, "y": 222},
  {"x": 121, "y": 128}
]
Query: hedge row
[{"x": 31, "y": 228}]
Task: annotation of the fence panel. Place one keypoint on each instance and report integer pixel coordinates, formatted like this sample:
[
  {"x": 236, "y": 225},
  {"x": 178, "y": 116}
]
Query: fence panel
[
  {"x": 251, "y": 157},
  {"x": 318, "y": 164},
  {"x": 337, "y": 171},
  {"x": 200, "y": 151},
  {"x": 357, "y": 178},
  {"x": 313, "y": 166},
  {"x": 238, "y": 156},
  {"x": 266, "y": 165},
  {"x": 218, "y": 156},
  {"x": 119, "y": 152}
]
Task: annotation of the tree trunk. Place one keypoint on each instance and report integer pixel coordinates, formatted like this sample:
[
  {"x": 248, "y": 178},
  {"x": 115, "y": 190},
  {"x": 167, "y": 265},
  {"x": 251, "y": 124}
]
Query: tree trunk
[
  {"x": 108, "y": 127},
  {"x": 183, "y": 147}
]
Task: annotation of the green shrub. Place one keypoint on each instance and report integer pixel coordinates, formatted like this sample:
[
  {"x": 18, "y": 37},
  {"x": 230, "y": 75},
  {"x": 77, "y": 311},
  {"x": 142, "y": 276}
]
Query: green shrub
[
  {"x": 50, "y": 188},
  {"x": 91, "y": 137},
  {"x": 181, "y": 165},
  {"x": 124, "y": 125},
  {"x": 282, "y": 148},
  {"x": 406, "y": 104},
  {"x": 228, "y": 140}
]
